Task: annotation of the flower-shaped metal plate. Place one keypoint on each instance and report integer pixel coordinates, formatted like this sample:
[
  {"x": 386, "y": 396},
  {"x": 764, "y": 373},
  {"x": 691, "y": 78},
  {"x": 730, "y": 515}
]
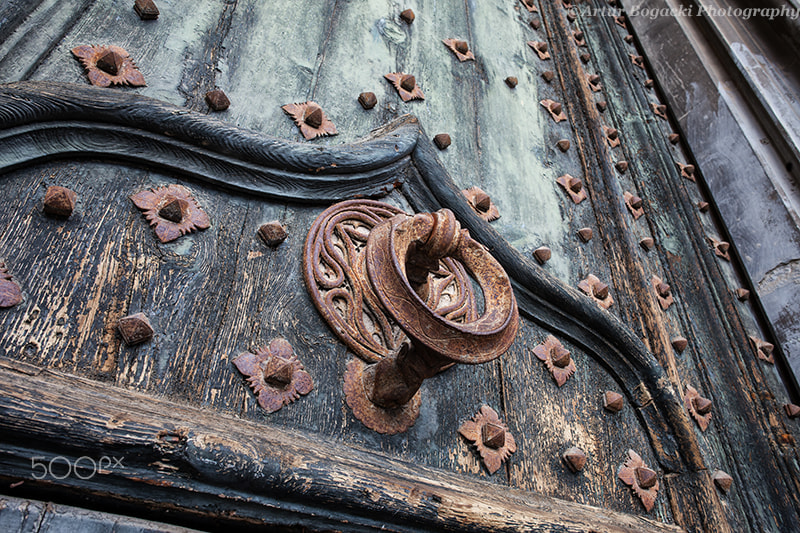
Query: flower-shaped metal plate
[
  {"x": 554, "y": 108},
  {"x": 460, "y": 49},
  {"x": 172, "y": 211},
  {"x": 10, "y": 293},
  {"x": 763, "y": 349},
  {"x": 406, "y": 86},
  {"x": 597, "y": 291},
  {"x": 698, "y": 407},
  {"x": 641, "y": 479},
  {"x": 275, "y": 375},
  {"x": 721, "y": 248},
  {"x": 481, "y": 203},
  {"x": 490, "y": 436},
  {"x": 556, "y": 358},
  {"x": 115, "y": 66},
  {"x": 310, "y": 119},
  {"x": 530, "y": 5},
  {"x": 573, "y": 187},
  {"x": 540, "y": 47}
]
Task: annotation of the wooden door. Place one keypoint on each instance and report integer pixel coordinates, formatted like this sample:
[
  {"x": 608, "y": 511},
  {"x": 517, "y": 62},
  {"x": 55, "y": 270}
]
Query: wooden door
[{"x": 169, "y": 430}]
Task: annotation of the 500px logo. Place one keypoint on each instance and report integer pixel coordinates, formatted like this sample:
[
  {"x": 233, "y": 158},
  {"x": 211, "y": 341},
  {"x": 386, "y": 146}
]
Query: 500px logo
[{"x": 84, "y": 467}]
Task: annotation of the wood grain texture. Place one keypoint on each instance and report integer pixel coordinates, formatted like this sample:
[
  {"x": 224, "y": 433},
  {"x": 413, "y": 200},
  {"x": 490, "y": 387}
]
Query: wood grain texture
[{"x": 242, "y": 469}]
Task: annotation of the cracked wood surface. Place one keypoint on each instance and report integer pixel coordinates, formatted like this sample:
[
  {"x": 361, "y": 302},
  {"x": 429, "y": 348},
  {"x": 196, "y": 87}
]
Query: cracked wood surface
[{"x": 215, "y": 294}]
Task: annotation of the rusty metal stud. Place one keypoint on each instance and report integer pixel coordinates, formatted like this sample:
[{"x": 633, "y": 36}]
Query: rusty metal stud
[
  {"x": 542, "y": 254},
  {"x": 530, "y": 5},
  {"x": 698, "y": 407},
  {"x": 641, "y": 479},
  {"x": 556, "y": 358},
  {"x": 634, "y": 204},
  {"x": 585, "y": 57},
  {"x": 687, "y": 171},
  {"x": 573, "y": 187},
  {"x": 647, "y": 243},
  {"x": 511, "y": 81},
  {"x": 703, "y": 206},
  {"x": 407, "y": 16},
  {"x": 594, "y": 82},
  {"x": 792, "y": 410},
  {"x": 442, "y": 141},
  {"x": 540, "y": 47},
  {"x": 674, "y": 138},
  {"x": 722, "y": 480},
  {"x": 217, "y": 100},
  {"x": 637, "y": 61},
  {"x": 663, "y": 293},
  {"x": 763, "y": 349},
  {"x": 660, "y": 110},
  {"x": 563, "y": 145},
  {"x": 153, "y": 202},
  {"x": 481, "y": 203},
  {"x": 173, "y": 210},
  {"x": 548, "y": 75},
  {"x": 490, "y": 436},
  {"x": 135, "y": 329},
  {"x": 59, "y": 201},
  {"x": 368, "y": 100},
  {"x": 405, "y": 85},
  {"x": 146, "y": 9},
  {"x": 620, "y": 20},
  {"x": 10, "y": 293},
  {"x": 602, "y": 106},
  {"x": 680, "y": 343},
  {"x": 596, "y": 290},
  {"x": 572, "y": 16},
  {"x": 613, "y": 401},
  {"x": 275, "y": 374},
  {"x": 612, "y": 136},
  {"x": 585, "y": 234},
  {"x": 648, "y": 83},
  {"x": 555, "y": 109},
  {"x": 580, "y": 38},
  {"x": 100, "y": 61},
  {"x": 721, "y": 248},
  {"x": 622, "y": 166},
  {"x": 629, "y": 39},
  {"x": 310, "y": 119},
  {"x": 574, "y": 458},
  {"x": 460, "y": 49},
  {"x": 536, "y": 24},
  {"x": 742, "y": 294},
  {"x": 272, "y": 233}
]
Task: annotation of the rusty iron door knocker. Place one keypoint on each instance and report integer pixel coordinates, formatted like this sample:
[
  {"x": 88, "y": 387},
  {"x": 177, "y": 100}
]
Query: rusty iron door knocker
[{"x": 396, "y": 289}]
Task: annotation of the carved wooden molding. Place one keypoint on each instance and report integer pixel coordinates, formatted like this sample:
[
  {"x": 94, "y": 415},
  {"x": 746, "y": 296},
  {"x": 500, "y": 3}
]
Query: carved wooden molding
[{"x": 40, "y": 121}]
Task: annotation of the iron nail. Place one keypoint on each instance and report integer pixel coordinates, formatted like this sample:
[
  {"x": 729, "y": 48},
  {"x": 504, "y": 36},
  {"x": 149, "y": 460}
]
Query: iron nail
[
  {"x": 217, "y": 100},
  {"x": 601, "y": 106},
  {"x": 407, "y": 16},
  {"x": 674, "y": 138},
  {"x": 647, "y": 243},
  {"x": 648, "y": 83},
  {"x": 135, "y": 329},
  {"x": 59, "y": 201},
  {"x": 272, "y": 233},
  {"x": 367, "y": 100},
  {"x": 613, "y": 401},
  {"x": 548, "y": 75},
  {"x": 585, "y": 58},
  {"x": 702, "y": 206},
  {"x": 585, "y": 234},
  {"x": 622, "y": 166},
  {"x": 742, "y": 294},
  {"x": 493, "y": 435},
  {"x": 563, "y": 145},
  {"x": 680, "y": 343},
  {"x": 575, "y": 459},
  {"x": 542, "y": 254},
  {"x": 110, "y": 62},
  {"x": 511, "y": 81},
  {"x": 663, "y": 289},
  {"x": 408, "y": 82},
  {"x": 535, "y": 24},
  {"x": 442, "y": 141},
  {"x": 646, "y": 477},
  {"x": 146, "y": 9},
  {"x": 792, "y": 410},
  {"x": 722, "y": 480}
]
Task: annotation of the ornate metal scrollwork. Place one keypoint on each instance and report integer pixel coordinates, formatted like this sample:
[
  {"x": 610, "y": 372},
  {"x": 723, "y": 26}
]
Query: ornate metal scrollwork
[{"x": 394, "y": 287}]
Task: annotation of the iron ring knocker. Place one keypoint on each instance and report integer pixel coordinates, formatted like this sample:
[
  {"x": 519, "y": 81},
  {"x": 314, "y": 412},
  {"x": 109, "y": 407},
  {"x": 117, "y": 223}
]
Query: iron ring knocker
[{"x": 397, "y": 272}]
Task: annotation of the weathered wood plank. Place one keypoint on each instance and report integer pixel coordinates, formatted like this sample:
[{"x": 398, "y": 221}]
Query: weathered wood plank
[{"x": 332, "y": 480}]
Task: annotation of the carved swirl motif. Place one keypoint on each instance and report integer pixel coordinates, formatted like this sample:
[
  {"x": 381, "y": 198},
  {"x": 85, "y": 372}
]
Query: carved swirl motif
[{"x": 341, "y": 291}]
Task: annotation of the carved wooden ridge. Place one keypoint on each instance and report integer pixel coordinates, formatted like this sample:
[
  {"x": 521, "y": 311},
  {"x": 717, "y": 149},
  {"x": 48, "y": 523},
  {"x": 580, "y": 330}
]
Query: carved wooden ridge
[{"x": 46, "y": 120}]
